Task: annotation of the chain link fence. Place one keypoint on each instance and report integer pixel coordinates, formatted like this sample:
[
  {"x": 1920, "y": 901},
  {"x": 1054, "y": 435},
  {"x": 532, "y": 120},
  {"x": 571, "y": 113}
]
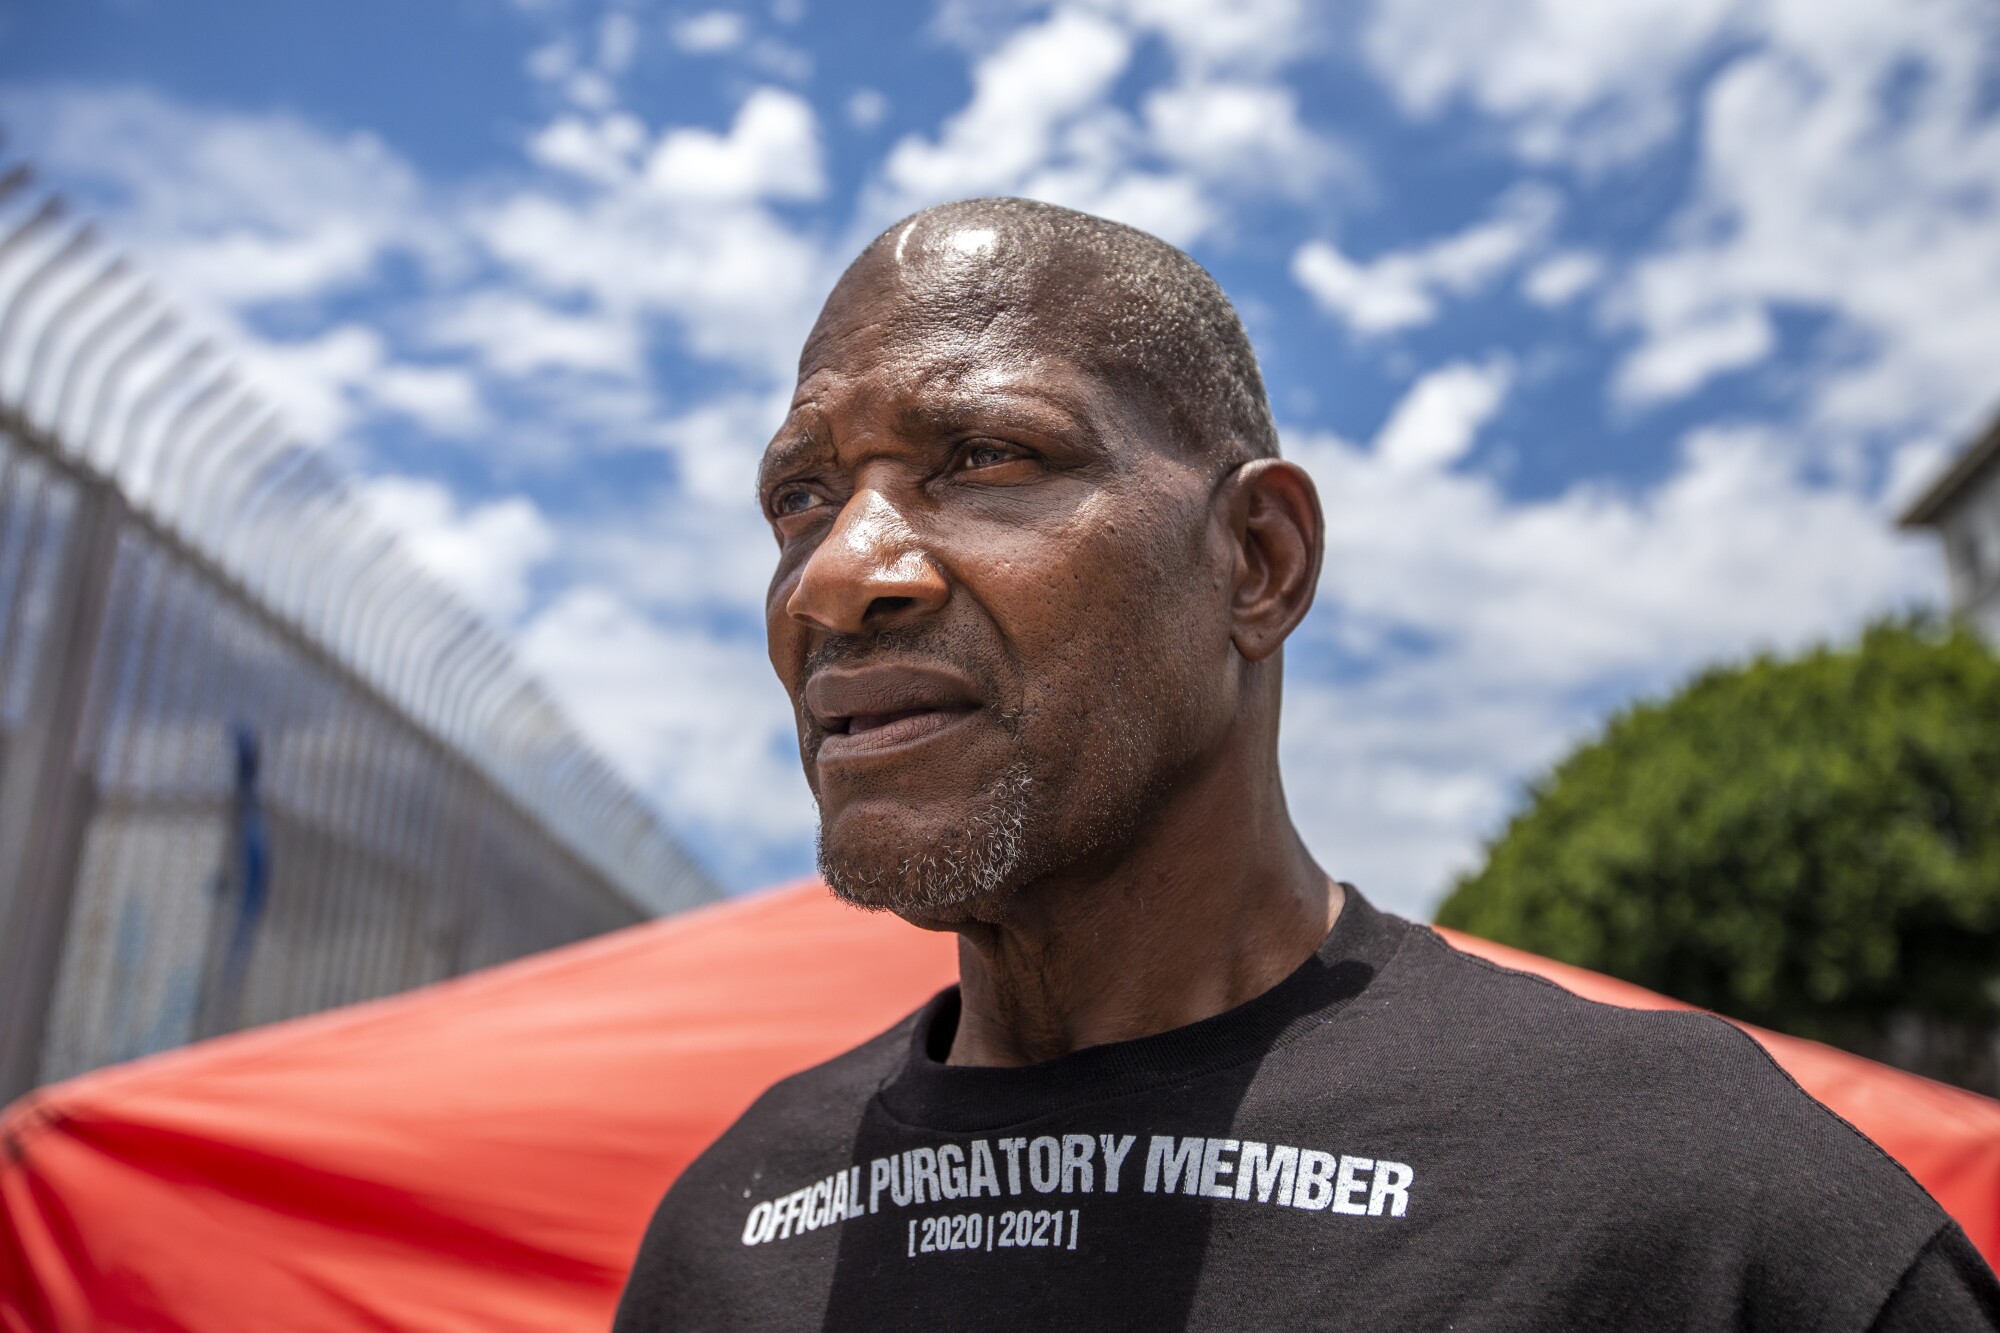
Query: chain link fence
[{"x": 253, "y": 761}]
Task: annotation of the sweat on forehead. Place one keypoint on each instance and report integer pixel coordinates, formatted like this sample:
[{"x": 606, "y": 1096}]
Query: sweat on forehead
[{"x": 1106, "y": 297}]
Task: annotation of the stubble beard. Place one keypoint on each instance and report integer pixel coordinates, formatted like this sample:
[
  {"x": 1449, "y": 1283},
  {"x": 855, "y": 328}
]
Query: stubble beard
[
  {"x": 979, "y": 861},
  {"x": 1029, "y": 823},
  {"x": 1049, "y": 811}
]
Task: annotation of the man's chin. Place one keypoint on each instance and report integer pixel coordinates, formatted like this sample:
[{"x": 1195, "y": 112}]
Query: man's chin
[
  {"x": 935, "y": 887},
  {"x": 924, "y": 911},
  {"x": 954, "y": 871}
]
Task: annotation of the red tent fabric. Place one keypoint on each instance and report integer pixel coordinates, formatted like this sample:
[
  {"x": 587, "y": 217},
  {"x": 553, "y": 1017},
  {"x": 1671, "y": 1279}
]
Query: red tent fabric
[{"x": 483, "y": 1154}]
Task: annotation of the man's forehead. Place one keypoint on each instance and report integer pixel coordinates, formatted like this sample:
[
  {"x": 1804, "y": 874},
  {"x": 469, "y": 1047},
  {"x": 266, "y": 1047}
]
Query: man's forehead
[
  {"x": 957, "y": 281},
  {"x": 921, "y": 397},
  {"x": 931, "y": 365},
  {"x": 934, "y": 343},
  {"x": 886, "y": 344},
  {"x": 867, "y": 330}
]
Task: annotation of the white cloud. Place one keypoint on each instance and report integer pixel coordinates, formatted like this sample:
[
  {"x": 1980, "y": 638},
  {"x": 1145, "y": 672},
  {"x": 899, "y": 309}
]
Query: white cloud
[
  {"x": 591, "y": 90},
  {"x": 245, "y": 267},
  {"x": 486, "y": 552},
  {"x": 1373, "y": 298},
  {"x": 771, "y": 152},
  {"x": 1818, "y": 193},
  {"x": 740, "y": 282},
  {"x": 1042, "y": 121},
  {"x": 1436, "y": 422},
  {"x": 443, "y": 399},
  {"x": 709, "y": 557},
  {"x": 695, "y": 718},
  {"x": 1691, "y": 352},
  {"x": 1243, "y": 36},
  {"x": 710, "y": 33},
  {"x": 1170, "y": 206},
  {"x": 1039, "y": 76},
  {"x": 229, "y": 209},
  {"x": 602, "y": 150},
  {"x": 1245, "y": 133},
  {"x": 313, "y": 380},
  {"x": 1561, "y": 278},
  {"x": 233, "y": 212},
  {"x": 269, "y": 208},
  {"x": 1574, "y": 77},
  {"x": 317, "y": 382},
  {"x": 516, "y": 334},
  {"x": 236, "y": 211},
  {"x": 324, "y": 383},
  {"x": 719, "y": 442},
  {"x": 1403, "y": 288},
  {"x": 688, "y": 236}
]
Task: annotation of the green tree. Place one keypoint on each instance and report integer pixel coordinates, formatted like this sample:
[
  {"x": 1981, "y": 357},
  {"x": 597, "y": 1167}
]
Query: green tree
[{"x": 1811, "y": 844}]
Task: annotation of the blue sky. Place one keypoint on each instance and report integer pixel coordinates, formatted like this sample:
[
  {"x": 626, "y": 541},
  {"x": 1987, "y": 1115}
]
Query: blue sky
[{"x": 1614, "y": 334}]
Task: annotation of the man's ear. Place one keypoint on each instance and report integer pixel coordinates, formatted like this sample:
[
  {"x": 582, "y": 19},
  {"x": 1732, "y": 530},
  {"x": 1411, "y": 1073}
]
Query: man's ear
[{"x": 1280, "y": 536}]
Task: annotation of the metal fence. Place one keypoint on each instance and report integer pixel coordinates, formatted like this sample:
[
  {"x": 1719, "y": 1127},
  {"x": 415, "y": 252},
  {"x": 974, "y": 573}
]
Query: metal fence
[{"x": 253, "y": 762}]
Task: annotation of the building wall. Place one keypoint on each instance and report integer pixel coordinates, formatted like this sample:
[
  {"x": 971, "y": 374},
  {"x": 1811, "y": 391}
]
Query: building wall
[{"x": 1971, "y": 528}]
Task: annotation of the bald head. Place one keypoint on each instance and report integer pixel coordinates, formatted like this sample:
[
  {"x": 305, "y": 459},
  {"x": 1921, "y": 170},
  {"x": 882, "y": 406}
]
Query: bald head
[{"x": 1112, "y": 300}]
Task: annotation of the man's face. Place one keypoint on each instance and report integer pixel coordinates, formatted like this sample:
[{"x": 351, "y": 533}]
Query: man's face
[{"x": 1000, "y": 608}]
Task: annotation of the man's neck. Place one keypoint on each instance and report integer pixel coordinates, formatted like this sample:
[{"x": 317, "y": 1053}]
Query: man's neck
[{"x": 1213, "y": 908}]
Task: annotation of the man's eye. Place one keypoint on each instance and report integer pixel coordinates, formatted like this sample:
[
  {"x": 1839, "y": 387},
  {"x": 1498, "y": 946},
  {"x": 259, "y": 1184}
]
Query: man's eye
[
  {"x": 794, "y": 500},
  {"x": 988, "y": 455}
]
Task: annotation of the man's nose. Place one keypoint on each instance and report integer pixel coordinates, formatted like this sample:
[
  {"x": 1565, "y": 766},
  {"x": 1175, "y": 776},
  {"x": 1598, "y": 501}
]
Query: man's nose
[{"x": 868, "y": 573}]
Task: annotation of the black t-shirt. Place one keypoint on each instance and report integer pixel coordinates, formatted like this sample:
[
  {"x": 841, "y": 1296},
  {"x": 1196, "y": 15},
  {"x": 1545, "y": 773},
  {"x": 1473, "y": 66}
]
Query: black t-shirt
[{"x": 1398, "y": 1135}]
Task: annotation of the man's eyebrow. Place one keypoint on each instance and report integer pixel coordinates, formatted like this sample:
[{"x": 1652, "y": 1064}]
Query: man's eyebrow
[
  {"x": 1039, "y": 412},
  {"x": 923, "y": 421},
  {"x": 791, "y": 450}
]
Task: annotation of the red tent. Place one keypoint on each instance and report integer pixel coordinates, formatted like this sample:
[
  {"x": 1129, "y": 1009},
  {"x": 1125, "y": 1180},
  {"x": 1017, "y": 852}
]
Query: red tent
[{"x": 483, "y": 1154}]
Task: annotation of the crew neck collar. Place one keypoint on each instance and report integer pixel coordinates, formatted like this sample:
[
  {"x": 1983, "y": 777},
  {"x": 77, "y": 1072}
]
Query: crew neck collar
[{"x": 927, "y": 1092}]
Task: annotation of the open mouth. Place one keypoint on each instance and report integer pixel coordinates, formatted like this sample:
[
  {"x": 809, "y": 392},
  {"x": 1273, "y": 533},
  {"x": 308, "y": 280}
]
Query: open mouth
[
  {"x": 869, "y": 732},
  {"x": 876, "y": 707},
  {"x": 862, "y": 723}
]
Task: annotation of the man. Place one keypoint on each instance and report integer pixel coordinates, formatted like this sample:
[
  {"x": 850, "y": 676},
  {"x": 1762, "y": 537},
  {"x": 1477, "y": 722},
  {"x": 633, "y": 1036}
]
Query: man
[{"x": 1038, "y": 557}]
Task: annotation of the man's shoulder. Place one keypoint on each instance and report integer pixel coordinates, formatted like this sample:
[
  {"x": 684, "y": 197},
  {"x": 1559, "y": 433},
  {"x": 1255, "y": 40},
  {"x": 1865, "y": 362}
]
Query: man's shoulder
[
  {"x": 1516, "y": 1029},
  {"x": 1675, "y": 1129},
  {"x": 1679, "y": 1108}
]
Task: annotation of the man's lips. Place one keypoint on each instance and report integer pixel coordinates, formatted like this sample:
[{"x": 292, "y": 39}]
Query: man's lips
[
  {"x": 873, "y": 708},
  {"x": 869, "y": 735},
  {"x": 865, "y": 722}
]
